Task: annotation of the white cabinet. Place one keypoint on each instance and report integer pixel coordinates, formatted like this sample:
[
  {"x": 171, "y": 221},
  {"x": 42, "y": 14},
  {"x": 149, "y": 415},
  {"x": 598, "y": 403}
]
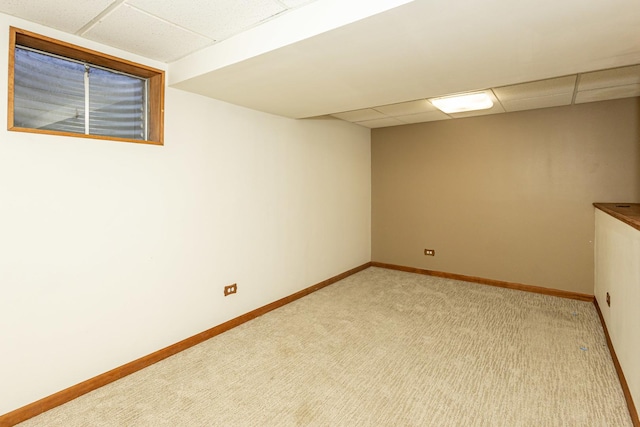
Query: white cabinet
[{"x": 617, "y": 273}]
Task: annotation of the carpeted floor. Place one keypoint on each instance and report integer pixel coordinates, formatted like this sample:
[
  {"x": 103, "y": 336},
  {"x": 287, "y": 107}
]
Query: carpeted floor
[{"x": 380, "y": 348}]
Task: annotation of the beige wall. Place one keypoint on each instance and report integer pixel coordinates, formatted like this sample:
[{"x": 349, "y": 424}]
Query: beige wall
[{"x": 505, "y": 197}]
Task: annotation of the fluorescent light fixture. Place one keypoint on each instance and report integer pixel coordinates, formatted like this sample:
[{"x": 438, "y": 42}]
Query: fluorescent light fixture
[{"x": 464, "y": 102}]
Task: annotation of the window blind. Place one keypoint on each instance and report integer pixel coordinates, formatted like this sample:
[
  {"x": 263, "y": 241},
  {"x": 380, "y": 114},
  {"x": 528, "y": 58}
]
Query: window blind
[{"x": 53, "y": 93}]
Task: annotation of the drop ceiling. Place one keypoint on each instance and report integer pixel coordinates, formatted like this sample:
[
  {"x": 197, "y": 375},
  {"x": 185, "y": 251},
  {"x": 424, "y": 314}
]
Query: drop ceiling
[
  {"x": 623, "y": 82},
  {"x": 164, "y": 30},
  {"x": 373, "y": 62}
]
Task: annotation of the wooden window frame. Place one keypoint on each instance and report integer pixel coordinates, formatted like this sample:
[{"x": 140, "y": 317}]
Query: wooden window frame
[{"x": 155, "y": 78}]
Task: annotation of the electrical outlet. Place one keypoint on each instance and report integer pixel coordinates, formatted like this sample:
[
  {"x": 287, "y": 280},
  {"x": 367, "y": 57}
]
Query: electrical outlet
[
  {"x": 608, "y": 299},
  {"x": 231, "y": 289},
  {"x": 430, "y": 252}
]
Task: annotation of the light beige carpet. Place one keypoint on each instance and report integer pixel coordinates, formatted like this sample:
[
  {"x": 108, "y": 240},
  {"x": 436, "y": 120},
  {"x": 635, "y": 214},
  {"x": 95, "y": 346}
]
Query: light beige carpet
[{"x": 380, "y": 348}]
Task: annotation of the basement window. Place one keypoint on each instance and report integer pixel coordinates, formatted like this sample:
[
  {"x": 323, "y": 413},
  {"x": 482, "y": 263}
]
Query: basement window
[{"x": 61, "y": 89}]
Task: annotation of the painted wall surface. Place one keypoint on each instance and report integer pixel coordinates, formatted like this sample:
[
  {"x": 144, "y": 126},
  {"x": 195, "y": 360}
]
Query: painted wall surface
[
  {"x": 618, "y": 272},
  {"x": 110, "y": 251},
  {"x": 504, "y": 197}
]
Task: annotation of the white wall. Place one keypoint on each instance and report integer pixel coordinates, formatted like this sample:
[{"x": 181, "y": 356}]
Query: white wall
[
  {"x": 110, "y": 251},
  {"x": 618, "y": 272}
]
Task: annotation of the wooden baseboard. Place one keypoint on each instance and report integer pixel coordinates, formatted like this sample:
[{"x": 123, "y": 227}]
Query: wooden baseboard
[
  {"x": 623, "y": 381},
  {"x": 490, "y": 282},
  {"x": 22, "y": 414}
]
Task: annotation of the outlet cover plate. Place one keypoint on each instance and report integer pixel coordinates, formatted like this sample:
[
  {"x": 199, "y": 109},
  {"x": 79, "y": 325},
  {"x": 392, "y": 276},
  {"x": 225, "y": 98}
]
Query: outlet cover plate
[{"x": 231, "y": 289}]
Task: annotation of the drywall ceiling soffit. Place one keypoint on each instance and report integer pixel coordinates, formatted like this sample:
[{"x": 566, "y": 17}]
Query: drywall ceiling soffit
[{"x": 428, "y": 48}]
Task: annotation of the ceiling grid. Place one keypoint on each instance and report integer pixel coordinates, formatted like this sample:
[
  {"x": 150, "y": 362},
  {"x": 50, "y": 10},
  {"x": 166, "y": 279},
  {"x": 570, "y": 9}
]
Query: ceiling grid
[{"x": 615, "y": 83}]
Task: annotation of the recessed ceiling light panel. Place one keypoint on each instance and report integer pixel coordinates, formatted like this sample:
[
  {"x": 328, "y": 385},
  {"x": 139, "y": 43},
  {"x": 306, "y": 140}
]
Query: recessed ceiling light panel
[{"x": 461, "y": 103}]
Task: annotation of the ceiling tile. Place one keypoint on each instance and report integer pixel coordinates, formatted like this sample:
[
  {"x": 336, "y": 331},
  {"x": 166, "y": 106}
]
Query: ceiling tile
[
  {"x": 406, "y": 108},
  {"x": 538, "y": 102},
  {"x": 495, "y": 110},
  {"x": 65, "y": 15},
  {"x": 608, "y": 78},
  {"x": 381, "y": 123},
  {"x": 603, "y": 94},
  {"x": 160, "y": 40},
  {"x": 360, "y": 115},
  {"x": 424, "y": 117},
  {"x": 216, "y": 19},
  {"x": 536, "y": 89},
  {"x": 295, "y": 3}
]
